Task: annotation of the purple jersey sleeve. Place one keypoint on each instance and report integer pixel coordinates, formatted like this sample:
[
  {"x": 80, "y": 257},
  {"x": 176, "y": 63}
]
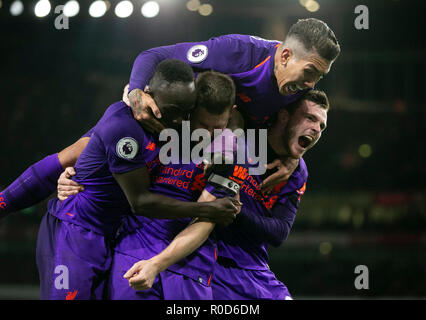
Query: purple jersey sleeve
[
  {"x": 125, "y": 143},
  {"x": 273, "y": 226},
  {"x": 296, "y": 183},
  {"x": 145, "y": 63},
  {"x": 273, "y": 229},
  {"x": 229, "y": 54},
  {"x": 88, "y": 134}
]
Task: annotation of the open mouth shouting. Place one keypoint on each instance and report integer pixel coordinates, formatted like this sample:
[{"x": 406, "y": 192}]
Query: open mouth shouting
[
  {"x": 292, "y": 88},
  {"x": 306, "y": 141}
]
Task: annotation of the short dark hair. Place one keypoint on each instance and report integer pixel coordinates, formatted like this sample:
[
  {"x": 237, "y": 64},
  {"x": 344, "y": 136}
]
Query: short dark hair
[
  {"x": 215, "y": 92},
  {"x": 172, "y": 71},
  {"x": 316, "y": 96},
  {"x": 316, "y": 35}
]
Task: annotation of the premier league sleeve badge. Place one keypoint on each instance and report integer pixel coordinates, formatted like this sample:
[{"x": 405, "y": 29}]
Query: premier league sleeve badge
[
  {"x": 127, "y": 148},
  {"x": 197, "y": 53}
]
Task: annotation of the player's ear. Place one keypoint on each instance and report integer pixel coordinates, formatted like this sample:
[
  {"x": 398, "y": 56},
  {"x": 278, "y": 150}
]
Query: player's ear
[
  {"x": 234, "y": 107},
  {"x": 283, "y": 116},
  {"x": 285, "y": 56}
]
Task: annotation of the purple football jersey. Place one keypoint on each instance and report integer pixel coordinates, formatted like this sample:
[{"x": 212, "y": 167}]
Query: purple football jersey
[
  {"x": 247, "y": 59},
  {"x": 234, "y": 242},
  {"x": 150, "y": 236},
  {"x": 118, "y": 144}
]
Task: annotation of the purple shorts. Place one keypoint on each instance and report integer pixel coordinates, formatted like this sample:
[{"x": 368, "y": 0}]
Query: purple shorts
[
  {"x": 167, "y": 286},
  {"x": 233, "y": 283},
  {"x": 73, "y": 262}
]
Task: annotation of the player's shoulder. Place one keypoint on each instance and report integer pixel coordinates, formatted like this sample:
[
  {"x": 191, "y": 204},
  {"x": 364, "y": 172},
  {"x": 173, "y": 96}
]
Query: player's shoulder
[
  {"x": 261, "y": 42},
  {"x": 116, "y": 110},
  {"x": 118, "y": 122},
  {"x": 296, "y": 182},
  {"x": 117, "y": 113},
  {"x": 302, "y": 170},
  {"x": 258, "y": 47},
  {"x": 251, "y": 40}
]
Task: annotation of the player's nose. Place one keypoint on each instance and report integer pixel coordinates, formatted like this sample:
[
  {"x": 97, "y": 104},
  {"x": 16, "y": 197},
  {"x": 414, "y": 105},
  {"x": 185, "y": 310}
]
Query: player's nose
[{"x": 316, "y": 128}]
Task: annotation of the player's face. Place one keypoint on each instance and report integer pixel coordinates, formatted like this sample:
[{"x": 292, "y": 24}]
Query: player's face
[
  {"x": 304, "y": 128},
  {"x": 175, "y": 103},
  {"x": 202, "y": 119},
  {"x": 294, "y": 74}
]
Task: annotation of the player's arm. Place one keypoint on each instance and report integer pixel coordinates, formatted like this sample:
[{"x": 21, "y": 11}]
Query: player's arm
[
  {"x": 135, "y": 185},
  {"x": 68, "y": 157},
  {"x": 39, "y": 180},
  {"x": 142, "y": 274},
  {"x": 273, "y": 229},
  {"x": 227, "y": 54}
]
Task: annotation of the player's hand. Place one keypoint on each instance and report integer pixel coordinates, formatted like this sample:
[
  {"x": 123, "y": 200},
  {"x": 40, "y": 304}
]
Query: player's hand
[
  {"x": 142, "y": 274},
  {"x": 125, "y": 97},
  {"x": 237, "y": 197},
  {"x": 66, "y": 186},
  {"x": 144, "y": 108},
  {"x": 225, "y": 210},
  {"x": 285, "y": 168}
]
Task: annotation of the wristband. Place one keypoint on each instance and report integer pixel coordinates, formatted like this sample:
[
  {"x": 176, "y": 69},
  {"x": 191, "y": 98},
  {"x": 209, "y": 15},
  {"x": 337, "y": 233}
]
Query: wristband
[{"x": 224, "y": 184}]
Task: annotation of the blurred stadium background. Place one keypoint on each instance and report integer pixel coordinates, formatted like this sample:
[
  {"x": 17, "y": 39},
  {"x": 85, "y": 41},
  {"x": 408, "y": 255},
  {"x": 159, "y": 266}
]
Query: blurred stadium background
[{"x": 365, "y": 201}]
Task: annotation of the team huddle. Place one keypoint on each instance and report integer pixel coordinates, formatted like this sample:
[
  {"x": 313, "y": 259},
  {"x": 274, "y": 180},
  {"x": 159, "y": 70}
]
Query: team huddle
[{"x": 126, "y": 225}]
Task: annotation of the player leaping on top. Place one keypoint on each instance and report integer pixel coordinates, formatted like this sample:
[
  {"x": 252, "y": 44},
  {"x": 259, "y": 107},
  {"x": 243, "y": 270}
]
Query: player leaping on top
[{"x": 268, "y": 75}]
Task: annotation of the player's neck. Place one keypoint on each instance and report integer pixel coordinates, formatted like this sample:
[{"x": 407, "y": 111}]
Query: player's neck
[{"x": 276, "y": 143}]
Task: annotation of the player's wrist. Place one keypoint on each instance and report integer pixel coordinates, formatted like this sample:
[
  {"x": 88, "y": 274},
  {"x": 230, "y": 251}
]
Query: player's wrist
[
  {"x": 223, "y": 186},
  {"x": 159, "y": 263},
  {"x": 225, "y": 180},
  {"x": 206, "y": 210}
]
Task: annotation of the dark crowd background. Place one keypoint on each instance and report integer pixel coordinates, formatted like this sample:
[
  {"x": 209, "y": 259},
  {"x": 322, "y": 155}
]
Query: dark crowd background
[{"x": 365, "y": 200}]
